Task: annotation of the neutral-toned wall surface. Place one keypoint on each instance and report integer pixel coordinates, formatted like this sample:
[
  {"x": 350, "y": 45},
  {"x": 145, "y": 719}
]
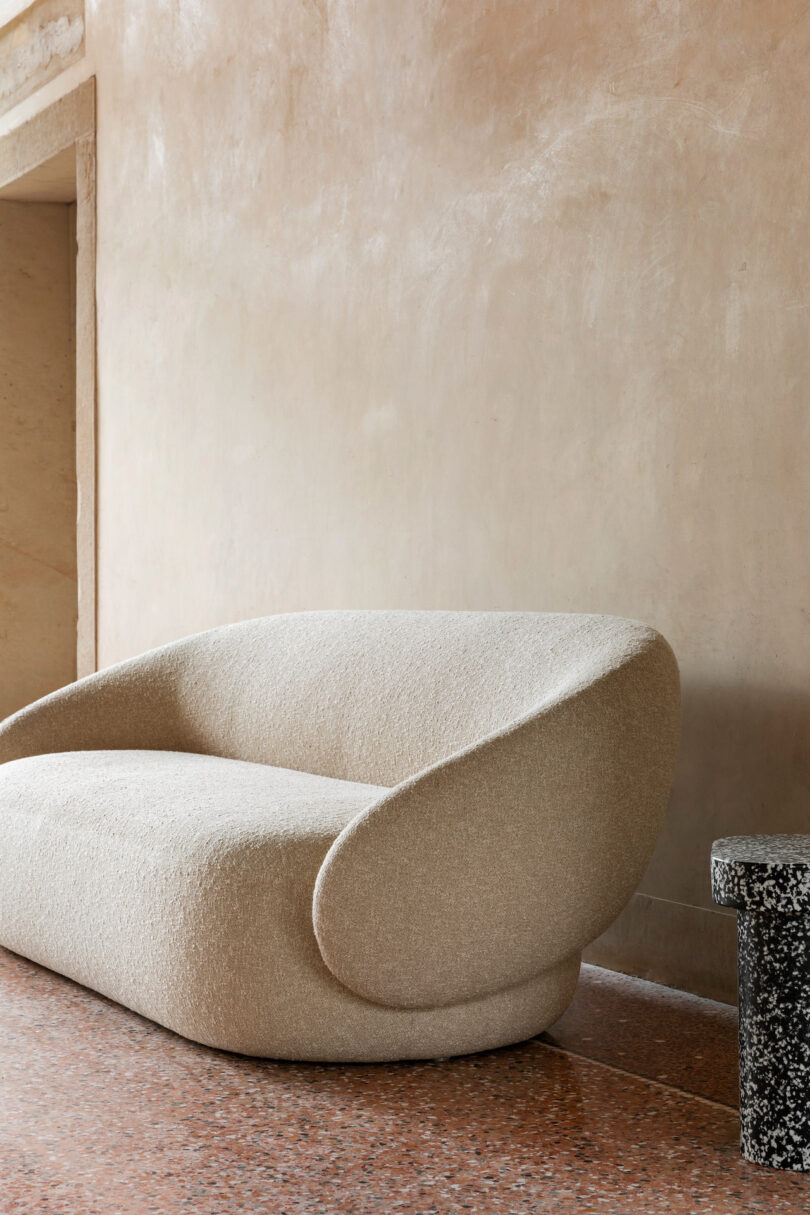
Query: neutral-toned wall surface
[
  {"x": 474, "y": 305},
  {"x": 43, "y": 40},
  {"x": 51, "y": 158},
  {"x": 37, "y": 454}
]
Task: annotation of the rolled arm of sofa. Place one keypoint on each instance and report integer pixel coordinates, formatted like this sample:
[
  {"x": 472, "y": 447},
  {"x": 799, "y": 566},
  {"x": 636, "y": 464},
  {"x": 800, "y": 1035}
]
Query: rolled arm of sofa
[{"x": 492, "y": 866}]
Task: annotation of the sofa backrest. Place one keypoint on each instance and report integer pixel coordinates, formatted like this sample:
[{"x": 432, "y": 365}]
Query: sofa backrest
[{"x": 376, "y": 696}]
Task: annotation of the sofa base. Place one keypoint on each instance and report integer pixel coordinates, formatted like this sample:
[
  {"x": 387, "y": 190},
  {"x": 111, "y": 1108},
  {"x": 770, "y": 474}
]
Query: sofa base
[{"x": 369, "y": 1033}]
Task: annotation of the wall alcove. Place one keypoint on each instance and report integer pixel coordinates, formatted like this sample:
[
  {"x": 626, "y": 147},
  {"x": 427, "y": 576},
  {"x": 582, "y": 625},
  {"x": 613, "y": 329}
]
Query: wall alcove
[{"x": 47, "y": 400}]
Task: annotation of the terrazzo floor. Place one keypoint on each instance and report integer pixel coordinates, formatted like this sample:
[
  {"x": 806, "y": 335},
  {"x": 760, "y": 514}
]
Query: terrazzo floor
[{"x": 626, "y": 1105}]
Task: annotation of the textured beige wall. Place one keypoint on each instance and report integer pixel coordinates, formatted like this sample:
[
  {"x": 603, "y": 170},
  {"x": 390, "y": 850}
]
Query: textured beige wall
[
  {"x": 37, "y": 454},
  {"x": 474, "y": 305},
  {"x": 43, "y": 40}
]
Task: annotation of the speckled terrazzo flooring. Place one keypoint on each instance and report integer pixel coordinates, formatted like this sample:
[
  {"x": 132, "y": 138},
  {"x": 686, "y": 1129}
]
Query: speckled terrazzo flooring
[{"x": 625, "y": 1106}]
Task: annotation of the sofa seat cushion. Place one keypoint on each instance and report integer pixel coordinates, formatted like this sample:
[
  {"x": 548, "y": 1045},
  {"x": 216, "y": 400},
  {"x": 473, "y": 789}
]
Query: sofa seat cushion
[{"x": 140, "y": 873}]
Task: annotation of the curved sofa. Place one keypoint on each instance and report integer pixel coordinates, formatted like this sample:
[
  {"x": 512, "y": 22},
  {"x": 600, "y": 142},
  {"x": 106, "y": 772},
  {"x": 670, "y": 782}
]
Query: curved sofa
[{"x": 341, "y": 835}]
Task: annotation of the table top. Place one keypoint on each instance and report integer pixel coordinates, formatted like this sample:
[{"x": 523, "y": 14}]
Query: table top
[
  {"x": 763, "y": 849},
  {"x": 762, "y": 873}
]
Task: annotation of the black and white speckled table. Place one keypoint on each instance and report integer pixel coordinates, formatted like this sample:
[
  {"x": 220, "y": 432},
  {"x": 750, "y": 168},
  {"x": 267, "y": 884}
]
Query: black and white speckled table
[{"x": 767, "y": 879}]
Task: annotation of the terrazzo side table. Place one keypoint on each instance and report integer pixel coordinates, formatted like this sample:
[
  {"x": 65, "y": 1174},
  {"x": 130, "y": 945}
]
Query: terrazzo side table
[{"x": 767, "y": 879}]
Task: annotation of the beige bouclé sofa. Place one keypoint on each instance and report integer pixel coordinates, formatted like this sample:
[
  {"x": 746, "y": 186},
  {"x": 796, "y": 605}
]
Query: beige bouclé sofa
[{"x": 341, "y": 835}]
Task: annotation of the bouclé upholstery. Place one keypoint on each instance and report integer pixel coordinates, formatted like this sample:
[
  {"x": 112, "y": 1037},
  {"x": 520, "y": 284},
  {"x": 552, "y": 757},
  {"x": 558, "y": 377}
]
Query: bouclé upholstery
[{"x": 341, "y": 835}]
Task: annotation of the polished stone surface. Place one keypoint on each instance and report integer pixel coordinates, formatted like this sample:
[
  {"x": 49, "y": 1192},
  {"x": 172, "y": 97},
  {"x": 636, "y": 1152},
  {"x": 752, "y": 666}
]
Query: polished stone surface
[
  {"x": 767, "y": 878},
  {"x": 774, "y": 976},
  {"x": 654, "y": 1032},
  {"x": 103, "y": 1112},
  {"x": 762, "y": 873}
]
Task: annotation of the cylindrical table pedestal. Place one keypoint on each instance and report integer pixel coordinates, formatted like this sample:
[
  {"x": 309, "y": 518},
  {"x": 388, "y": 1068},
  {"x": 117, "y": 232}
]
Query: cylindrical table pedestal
[
  {"x": 767, "y": 878},
  {"x": 774, "y": 995}
]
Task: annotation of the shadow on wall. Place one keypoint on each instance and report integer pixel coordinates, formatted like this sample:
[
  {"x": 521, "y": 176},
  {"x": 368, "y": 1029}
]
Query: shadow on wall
[{"x": 743, "y": 768}]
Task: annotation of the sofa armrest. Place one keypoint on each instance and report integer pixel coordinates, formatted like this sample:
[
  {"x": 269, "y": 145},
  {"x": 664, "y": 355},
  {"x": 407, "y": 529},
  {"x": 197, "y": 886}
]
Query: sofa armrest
[
  {"x": 129, "y": 706},
  {"x": 495, "y": 864}
]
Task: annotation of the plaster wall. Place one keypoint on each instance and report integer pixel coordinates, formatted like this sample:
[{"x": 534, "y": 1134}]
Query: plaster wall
[
  {"x": 481, "y": 306},
  {"x": 37, "y": 454},
  {"x": 43, "y": 40}
]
